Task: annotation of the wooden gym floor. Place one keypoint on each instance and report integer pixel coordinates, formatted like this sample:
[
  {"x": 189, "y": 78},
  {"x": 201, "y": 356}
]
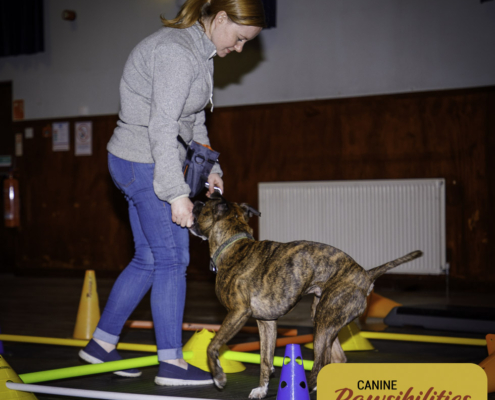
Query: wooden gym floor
[{"x": 48, "y": 307}]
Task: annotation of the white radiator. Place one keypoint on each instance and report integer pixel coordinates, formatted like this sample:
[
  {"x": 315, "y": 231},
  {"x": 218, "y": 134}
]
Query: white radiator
[{"x": 372, "y": 221}]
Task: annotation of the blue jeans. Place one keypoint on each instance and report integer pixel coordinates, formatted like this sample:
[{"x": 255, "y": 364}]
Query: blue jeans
[{"x": 160, "y": 262}]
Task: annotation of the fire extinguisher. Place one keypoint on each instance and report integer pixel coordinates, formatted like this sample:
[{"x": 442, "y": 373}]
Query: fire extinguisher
[{"x": 11, "y": 201}]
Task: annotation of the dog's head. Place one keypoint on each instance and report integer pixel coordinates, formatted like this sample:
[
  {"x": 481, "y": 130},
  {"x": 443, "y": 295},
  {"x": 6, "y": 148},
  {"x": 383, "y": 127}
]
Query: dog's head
[{"x": 219, "y": 215}]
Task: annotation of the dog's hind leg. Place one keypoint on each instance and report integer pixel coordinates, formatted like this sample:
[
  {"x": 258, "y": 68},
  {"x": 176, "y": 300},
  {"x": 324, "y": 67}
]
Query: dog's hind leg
[
  {"x": 320, "y": 343},
  {"x": 316, "y": 300},
  {"x": 232, "y": 323},
  {"x": 329, "y": 320},
  {"x": 324, "y": 340},
  {"x": 337, "y": 354},
  {"x": 268, "y": 338}
]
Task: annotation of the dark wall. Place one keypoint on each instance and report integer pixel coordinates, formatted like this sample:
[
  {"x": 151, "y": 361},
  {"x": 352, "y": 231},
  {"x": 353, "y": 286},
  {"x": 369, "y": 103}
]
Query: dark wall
[
  {"x": 72, "y": 215},
  {"x": 74, "y": 219},
  {"x": 7, "y": 237}
]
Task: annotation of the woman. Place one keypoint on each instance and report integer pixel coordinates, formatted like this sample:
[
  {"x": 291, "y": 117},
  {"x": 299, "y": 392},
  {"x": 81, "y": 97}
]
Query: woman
[{"x": 166, "y": 85}]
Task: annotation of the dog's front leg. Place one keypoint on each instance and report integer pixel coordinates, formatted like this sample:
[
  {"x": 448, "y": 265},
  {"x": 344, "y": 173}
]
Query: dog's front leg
[
  {"x": 232, "y": 323},
  {"x": 268, "y": 338}
]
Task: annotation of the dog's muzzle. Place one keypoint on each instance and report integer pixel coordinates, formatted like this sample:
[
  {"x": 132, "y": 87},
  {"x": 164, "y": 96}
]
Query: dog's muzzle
[
  {"x": 194, "y": 229},
  {"x": 197, "y": 207}
]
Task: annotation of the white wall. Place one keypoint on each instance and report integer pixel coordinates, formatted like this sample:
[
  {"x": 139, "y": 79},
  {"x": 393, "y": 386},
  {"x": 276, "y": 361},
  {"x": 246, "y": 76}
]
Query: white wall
[
  {"x": 320, "y": 49},
  {"x": 342, "y": 48},
  {"x": 80, "y": 70}
]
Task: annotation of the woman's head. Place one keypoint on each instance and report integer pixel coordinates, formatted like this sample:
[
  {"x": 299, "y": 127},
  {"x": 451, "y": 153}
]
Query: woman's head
[
  {"x": 227, "y": 36},
  {"x": 240, "y": 12}
]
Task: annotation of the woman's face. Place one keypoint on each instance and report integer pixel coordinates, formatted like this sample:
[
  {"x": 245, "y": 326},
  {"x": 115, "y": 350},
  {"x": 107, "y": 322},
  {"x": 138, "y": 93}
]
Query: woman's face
[{"x": 228, "y": 36}]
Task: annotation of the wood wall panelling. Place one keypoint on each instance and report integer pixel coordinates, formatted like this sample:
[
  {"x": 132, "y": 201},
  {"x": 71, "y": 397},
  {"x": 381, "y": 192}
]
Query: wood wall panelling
[
  {"x": 73, "y": 216},
  {"x": 424, "y": 135},
  {"x": 75, "y": 219}
]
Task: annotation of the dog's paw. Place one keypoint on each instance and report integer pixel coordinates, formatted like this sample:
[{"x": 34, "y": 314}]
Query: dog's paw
[
  {"x": 218, "y": 384},
  {"x": 312, "y": 383},
  {"x": 220, "y": 380},
  {"x": 259, "y": 392}
]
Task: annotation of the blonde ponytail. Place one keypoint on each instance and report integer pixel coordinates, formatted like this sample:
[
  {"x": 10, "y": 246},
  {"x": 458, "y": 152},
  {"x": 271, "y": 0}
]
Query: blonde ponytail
[
  {"x": 242, "y": 12},
  {"x": 190, "y": 12}
]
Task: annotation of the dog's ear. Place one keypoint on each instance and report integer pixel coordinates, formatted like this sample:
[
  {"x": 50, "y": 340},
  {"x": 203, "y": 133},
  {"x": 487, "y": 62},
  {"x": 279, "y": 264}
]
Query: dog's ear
[
  {"x": 249, "y": 211},
  {"x": 222, "y": 207}
]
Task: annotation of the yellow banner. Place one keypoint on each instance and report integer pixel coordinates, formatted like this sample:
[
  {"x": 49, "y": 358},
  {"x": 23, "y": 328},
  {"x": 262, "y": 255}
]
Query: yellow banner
[{"x": 402, "y": 382}]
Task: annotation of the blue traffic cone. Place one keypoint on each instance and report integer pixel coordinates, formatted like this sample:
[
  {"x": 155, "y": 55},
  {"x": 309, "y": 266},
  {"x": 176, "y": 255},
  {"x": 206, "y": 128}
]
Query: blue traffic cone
[{"x": 293, "y": 385}]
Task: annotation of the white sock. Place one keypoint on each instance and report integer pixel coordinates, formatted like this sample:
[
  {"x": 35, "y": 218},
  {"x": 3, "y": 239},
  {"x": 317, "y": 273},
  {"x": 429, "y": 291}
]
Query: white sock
[
  {"x": 178, "y": 362},
  {"x": 107, "y": 346}
]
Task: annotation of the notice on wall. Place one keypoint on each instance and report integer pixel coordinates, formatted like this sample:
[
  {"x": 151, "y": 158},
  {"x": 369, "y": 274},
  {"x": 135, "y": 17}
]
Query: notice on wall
[
  {"x": 47, "y": 131},
  {"x": 18, "y": 110},
  {"x": 5, "y": 161},
  {"x": 60, "y": 136},
  {"x": 28, "y": 133},
  {"x": 18, "y": 145},
  {"x": 84, "y": 138}
]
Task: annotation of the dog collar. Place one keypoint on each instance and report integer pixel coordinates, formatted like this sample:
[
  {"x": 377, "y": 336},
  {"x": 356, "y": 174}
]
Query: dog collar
[{"x": 229, "y": 242}]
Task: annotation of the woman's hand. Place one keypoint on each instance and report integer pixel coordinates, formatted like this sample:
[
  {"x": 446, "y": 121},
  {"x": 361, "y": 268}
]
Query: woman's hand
[
  {"x": 214, "y": 180},
  {"x": 182, "y": 212}
]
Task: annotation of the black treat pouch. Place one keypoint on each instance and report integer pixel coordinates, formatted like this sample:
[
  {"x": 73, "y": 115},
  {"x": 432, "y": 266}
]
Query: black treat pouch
[{"x": 197, "y": 166}]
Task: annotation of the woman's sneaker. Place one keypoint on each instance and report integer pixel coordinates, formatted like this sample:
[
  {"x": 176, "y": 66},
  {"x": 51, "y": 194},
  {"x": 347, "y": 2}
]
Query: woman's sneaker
[
  {"x": 170, "y": 375},
  {"x": 95, "y": 354}
]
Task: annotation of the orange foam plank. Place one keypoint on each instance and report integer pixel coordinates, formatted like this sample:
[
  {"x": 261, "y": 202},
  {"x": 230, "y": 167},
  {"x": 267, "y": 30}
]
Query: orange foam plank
[
  {"x": 245, "y": 329},
  {"x": 187, "y": 326},
  {"x": 251, "y": 346}
]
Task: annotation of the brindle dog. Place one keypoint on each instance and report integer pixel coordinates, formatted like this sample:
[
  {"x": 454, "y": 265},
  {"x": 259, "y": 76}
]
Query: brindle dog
[{"x": 265, "y": 280}]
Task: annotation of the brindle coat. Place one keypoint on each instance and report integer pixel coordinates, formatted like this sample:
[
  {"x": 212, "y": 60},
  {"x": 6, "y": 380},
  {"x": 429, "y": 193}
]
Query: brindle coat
[{"x": 265, "y": 280}]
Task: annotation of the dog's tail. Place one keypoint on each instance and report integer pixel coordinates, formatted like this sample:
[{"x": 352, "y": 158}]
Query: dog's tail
[{"x": 379, "y": 271}]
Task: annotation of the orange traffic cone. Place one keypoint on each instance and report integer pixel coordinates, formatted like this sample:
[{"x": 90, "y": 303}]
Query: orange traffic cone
[
  {"x": 490, "y": 343},
  {"x": 488, "y": 364},
  {"x": 88, "y": 314},
  {"x": 377, "y": 307},
  {"x": 7, "y": 374}
]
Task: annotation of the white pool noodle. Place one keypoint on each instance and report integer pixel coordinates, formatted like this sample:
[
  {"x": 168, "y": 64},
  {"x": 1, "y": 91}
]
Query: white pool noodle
[{"x": 92, "y": 394}]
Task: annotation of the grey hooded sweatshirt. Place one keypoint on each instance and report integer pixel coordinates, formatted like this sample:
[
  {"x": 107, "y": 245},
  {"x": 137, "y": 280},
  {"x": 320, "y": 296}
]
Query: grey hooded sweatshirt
[{"x": 167, "y": 83}]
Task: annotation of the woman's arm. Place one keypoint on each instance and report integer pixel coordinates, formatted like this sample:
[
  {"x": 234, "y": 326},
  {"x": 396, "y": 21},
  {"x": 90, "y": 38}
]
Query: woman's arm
[{"x": 173, "y": 74}]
